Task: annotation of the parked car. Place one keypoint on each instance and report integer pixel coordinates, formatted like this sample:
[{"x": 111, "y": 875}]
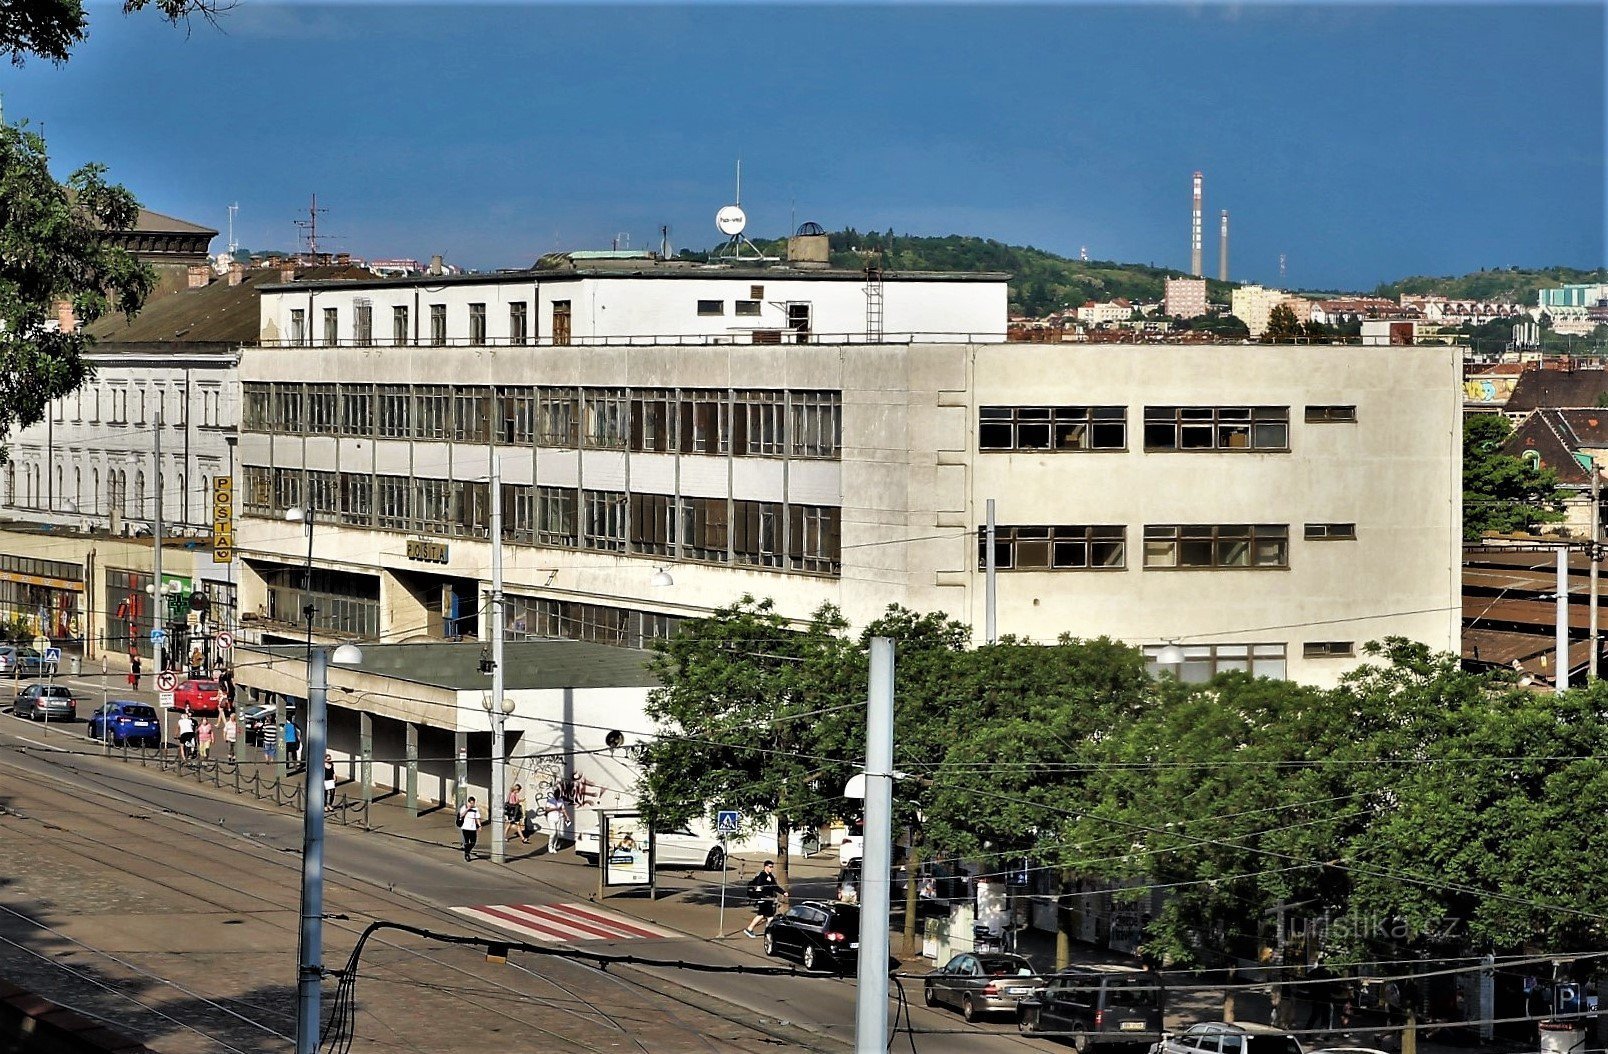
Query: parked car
[
  {"x": 201, "y": 696},
  {"x": 853, "y": 846},
  {"x": 18, "y": 660},
  {"x": 678, "y": 848},
  {"x": 1229, "y": 1037},
  {"x": 1113, "y": 1007},
  {"x": 253, "y": 717},
  {"x": 982, "y": 984},
  {"x": 46, "y": 702},
  {"x": 121, "y": 721},
  {"x": 821, "y": 934}
]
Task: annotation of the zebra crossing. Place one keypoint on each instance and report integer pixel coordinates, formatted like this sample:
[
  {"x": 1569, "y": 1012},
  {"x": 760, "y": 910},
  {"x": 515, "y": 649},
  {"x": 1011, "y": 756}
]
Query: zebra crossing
[{"x": 564, "y": 923}]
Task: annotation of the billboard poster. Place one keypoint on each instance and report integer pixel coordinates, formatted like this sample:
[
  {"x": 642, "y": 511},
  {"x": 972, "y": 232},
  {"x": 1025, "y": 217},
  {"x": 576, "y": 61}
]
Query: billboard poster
[{"x": 627, "y": 852}]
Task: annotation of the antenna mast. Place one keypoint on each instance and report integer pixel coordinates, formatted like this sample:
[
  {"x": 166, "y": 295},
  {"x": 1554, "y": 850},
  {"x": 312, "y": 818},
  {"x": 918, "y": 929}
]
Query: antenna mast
[
  {"x": 309, "y": 228},
  {"x": 234, "y": 207}
]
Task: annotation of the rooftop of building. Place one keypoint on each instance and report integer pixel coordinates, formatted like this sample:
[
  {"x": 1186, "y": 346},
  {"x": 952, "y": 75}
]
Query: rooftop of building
[
  {"x": 533, "y": 665},
  {"x": 624, "y": 264},
  {"x": 217, "y": 313}
]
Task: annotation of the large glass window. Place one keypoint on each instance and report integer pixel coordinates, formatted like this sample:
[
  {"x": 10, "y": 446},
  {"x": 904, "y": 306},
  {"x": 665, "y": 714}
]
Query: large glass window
[
  {"x": 396, "y": 411},
  {"x": 756, "y": 533},
  {"x": 357, "y": 499},
  {"x": 605, "y": 519},
  {"x": 1240, "y": 545},
  {"x": 704, "y": 420},
  {"x": 287, "y": 414},
  {"x": 515, "y": 422},
  {"x": 1054, "y": 548},
  {"x": 814, "y": 538},
  {"x": 432, "y": 411},
  {"x": 703, "y": 529},
  {"x": 438, "y": 324},
  {"x": 556, "y": 520},
  {"x": 477, "y": 324},
  {"x": 362, "y": 322},
  {"x": 653, "y": 524},
  {"x": 1217, "y": 428},
  {"x": 1052, "y": 428},
  {"x": 400, "y": 333},
  {"x": 332, "y": 327},
  {"x": 652, "y": 419},
  {"x": 357, "y": 409},
  {"x": 471, "y": 414},
  {"x": 1202, "y": 662},
  {"x": 323, "y": 409},
  {"x": 518, "y": 323},
  {"x": 816, "y": 420},
  {"x": 557, "y": 423},
  {"x": 607, "y": 418}
]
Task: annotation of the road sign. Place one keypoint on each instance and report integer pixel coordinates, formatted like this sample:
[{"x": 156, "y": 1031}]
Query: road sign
[
  {"x": 166, "y": 681},
  {"x": 52, "y": 654},
  {"x": 225, "y": 640},
  {"x": 158, "y": 636},
  {"x": 726, "y": 821},
  {"x": 165, "y": 699}
]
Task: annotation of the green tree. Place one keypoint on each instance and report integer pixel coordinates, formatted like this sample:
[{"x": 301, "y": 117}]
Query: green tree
[
  {"x": 51, "y": 29},
  {"x": 52, "y": 249},
  {"x": 1502, "y": 493},
  {"x": 745, "y": 696},
  {"x": 1282, "y": 326}
]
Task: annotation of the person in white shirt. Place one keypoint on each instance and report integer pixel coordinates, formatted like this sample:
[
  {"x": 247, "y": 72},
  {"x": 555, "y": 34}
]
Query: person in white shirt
[{"x": 469, "y": 827}]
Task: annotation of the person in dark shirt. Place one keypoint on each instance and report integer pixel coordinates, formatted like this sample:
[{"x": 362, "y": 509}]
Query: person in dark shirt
[{"x": 764, "y": 891}]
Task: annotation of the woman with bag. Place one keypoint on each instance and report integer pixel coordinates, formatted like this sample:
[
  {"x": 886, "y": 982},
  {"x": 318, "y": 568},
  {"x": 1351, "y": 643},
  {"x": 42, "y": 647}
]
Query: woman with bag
[
  {"x": 514, "y": 814},
  {"x": 329, "y": 782}
]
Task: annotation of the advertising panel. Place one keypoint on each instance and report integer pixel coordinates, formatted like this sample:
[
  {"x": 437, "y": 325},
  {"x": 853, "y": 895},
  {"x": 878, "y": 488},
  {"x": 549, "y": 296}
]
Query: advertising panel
[{"x": 626, "y": 853}]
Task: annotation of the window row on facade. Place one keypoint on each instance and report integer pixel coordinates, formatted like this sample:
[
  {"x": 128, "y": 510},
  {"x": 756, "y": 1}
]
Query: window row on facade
[
  {"x": 81, "y": 491},
  {"x": 546, "y": 618},
  {"x": 786, "y": 536},
  {"x": 399, "y": 325},
  {"x": 1074, "y": 428},
  {"x": 122, "y": 403},
  {"x": 740, "y": 422},
  {"x": 1080, "y": 547}
]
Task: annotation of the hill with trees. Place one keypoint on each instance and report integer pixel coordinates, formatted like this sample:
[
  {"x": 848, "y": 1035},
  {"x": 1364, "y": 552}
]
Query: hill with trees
[{"x": 1516, "y": 284}]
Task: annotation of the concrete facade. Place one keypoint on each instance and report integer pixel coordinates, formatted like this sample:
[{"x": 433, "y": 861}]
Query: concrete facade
[
  {"x": 1345, "y": 489},
  {"x": 1254, "y": 304},
  {"x": 1185, "y": 297}
]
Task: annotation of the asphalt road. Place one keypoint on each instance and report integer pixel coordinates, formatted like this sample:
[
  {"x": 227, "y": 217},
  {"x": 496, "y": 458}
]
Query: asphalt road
[{"x": 169, "y": 909}]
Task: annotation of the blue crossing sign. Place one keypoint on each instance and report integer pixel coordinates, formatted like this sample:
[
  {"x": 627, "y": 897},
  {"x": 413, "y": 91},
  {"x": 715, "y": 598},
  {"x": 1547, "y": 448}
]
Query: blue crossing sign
[
  {"x": 53, "y": 655},
  {"x": 726, "y": 821}
]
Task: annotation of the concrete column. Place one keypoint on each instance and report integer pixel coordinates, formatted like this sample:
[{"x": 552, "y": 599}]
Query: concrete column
[
  {"x": 412, "y": 753},
  {"x": 460, "y": 769},
  {"x": 365, "y": 754}
]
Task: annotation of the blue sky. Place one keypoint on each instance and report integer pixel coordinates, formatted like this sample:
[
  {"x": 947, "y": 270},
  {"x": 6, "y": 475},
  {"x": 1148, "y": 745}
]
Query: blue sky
[{"x": 1364, "y": 142}]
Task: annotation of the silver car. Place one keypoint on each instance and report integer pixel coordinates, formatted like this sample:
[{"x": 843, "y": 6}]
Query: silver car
[
  {"x": 46, "y": 702},
  {"x": 988, "y": 983},
  {"x": 1229, "y": 1037}
]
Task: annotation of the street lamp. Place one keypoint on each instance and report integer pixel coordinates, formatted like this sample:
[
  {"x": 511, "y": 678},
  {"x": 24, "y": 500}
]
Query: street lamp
[
  {"x": 1170, "y": 654},
  {"x": 304, "y": 516},
  {"x": 310, "y": 951},
  {"x": 162, "y": 616},
  {"x": 661, "y": 578}
]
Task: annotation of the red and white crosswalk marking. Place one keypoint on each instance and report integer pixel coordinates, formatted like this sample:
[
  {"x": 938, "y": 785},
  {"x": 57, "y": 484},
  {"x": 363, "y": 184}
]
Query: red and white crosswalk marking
[{"x": 564, "y": 923}]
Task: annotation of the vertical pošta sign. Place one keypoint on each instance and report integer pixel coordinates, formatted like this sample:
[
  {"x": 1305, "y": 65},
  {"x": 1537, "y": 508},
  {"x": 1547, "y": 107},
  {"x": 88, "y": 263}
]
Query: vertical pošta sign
[
  {"x": 626, "y": 850},
  {"x": 222, "y": 519}
]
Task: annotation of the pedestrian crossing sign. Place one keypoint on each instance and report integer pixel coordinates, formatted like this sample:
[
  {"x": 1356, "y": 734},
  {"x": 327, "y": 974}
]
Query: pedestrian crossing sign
[{"x": 726, "y": 821}]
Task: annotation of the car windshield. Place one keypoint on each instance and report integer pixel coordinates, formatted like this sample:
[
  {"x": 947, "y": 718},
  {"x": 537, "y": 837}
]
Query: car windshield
[
  {"x": 1005, "y": 965},
  {"x": 1141, "y": 994},
  {"x": 140, "y": 711}
]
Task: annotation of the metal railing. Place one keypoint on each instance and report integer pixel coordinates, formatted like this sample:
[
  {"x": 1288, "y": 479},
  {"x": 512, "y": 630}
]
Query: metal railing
[{"x": 258, "y": 777}]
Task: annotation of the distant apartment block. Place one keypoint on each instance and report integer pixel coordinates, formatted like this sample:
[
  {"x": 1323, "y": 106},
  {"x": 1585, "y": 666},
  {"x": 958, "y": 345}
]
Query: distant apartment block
[
  {"x": 1185, "y": 297},
  {"x": 1105, "y": 314},
  {"x": 1253, "y": 305}
]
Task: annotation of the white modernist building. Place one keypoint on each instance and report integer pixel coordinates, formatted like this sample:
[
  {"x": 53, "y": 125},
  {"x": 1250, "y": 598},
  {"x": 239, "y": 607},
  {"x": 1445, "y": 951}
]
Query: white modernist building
[{"x": 1268, "y": 508}]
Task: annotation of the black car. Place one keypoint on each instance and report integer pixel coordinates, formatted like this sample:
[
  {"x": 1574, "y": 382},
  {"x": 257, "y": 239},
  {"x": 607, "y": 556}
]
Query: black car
[
  {"x": 821, "y": 934},
  {"x": 1096, "y": 1007}
]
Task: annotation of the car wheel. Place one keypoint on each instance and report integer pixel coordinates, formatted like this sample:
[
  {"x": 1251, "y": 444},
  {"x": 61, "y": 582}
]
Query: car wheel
[
  {"x": 968, "y": 1009},
  {"x": 1027, "y": 1020},
  {"x": 811, "y": 957},
  {"x": 770, "y": 944},
  {"x": 929, "y": 996},
  {"x": 716, "y": 861}
]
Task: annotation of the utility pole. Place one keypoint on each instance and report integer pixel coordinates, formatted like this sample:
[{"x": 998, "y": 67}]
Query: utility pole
[
  {"x": 1561, "y": 674},
  {"x": 1596, "y": 556},
  {"x": 990, "y": 579},
  {"x": 499, "y": 791},
  {"x": 876, "y": 865},
  {"x": 158, "y": 595}
]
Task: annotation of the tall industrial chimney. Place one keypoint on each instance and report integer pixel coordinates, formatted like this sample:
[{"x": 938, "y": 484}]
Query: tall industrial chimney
[
  {"x": 1195, "y": 230},
  {"x": 1222, "y": 250}
]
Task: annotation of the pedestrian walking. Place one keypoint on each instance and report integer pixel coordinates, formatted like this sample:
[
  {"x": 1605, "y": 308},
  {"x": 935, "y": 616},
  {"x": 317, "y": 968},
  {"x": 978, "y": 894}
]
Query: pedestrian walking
[
  {"x": 204, "y": 736},
  {"x": 329, "y": 781},
  {"x": 764, "y": 891},
  {"x": 186, "y": 735},
  {"x": 269, "y": 738},
  {"x": 557, "y": 815},
  {"x": 231, "y": 733},
  {"x": 134, "y": 672},
  {"x": 292, "y": 738},
  {"x": 469, "y": 827},
  {"x": 514, "y": 814}
]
